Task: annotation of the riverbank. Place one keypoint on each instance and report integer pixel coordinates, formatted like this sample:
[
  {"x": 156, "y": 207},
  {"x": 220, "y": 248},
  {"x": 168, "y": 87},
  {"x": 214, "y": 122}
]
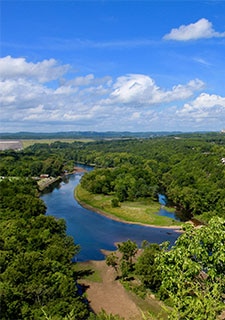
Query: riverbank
[
  {"x": 105, "y": 292},
  {"x": 143, "y": 213},
  {"x": 44, "y": 183}
]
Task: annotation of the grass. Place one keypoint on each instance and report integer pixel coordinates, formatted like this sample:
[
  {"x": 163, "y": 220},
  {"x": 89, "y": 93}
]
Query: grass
[
  {"x": 143, "y": 212},
  {"x": 88, "y": 271},
  {"x": 152, "y": 309}
]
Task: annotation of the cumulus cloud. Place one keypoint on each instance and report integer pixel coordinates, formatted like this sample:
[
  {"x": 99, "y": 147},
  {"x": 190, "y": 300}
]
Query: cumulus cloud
[
  {"x": 130, "y": 102},
  {"x": 44, "y": 71},
  {"x": 133, "y": 87},
  {"x": 141, "y": 89},
  {"x": 204, "y": 108},
  {"x": 22, "y": 93},
  {"x": 198, "y": 30}
]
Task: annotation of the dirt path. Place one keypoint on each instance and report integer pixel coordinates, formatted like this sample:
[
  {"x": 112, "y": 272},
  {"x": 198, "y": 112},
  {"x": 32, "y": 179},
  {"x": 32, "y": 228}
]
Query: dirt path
[{"x": 109, "y": 295}]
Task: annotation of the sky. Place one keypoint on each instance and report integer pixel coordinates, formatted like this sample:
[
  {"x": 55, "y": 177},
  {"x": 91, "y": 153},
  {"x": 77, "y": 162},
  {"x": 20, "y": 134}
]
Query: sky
[{"x": 139, "y": 66}]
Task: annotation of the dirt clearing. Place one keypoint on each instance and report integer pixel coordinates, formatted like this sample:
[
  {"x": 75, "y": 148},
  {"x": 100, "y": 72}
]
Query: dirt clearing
[{"x": 109, "y": 294}]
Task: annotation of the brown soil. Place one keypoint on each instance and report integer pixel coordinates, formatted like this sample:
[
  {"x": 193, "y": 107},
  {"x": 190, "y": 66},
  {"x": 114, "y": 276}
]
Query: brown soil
[
  {"x": 79, "y": 170},
  {"x": 109, "y": 295}
]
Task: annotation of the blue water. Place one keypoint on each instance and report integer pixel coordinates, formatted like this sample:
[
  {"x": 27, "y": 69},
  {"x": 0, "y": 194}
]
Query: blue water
[
  {"x": 163, "y": 212},
  {"x": 93, "y": 231}
]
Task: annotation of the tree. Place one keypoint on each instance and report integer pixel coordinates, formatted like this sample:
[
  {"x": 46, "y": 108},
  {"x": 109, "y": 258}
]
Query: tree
[
  {"x": 115, "y": 203},
  {"x": 193, "y": 272},
  {"x": 123, "y": 264},
  {"x": 112, "y": 260},
  {"x": 36, "y": 272},
  {"x": 128, "y": 250},
  {"x": 146, "y": 268}
]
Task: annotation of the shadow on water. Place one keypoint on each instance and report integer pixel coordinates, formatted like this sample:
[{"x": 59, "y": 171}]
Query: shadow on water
[
  {"x": 93, "y": 231},
  {"x": 176, "y": 215}
]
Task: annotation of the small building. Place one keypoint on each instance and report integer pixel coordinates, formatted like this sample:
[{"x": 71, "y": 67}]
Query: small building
[
  {"x": 11, "y": 145},
  {"x": 44, "y": 176}
]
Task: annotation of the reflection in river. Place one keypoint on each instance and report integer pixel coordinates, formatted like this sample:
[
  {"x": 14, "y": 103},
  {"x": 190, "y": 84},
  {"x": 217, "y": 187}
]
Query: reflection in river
[{"x": 93, "y": 231}]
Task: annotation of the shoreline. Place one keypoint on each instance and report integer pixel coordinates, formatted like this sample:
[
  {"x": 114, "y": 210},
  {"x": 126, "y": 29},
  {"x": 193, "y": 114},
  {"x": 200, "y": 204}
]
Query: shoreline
[
  {"x": 45, "y": 183},
  {"x": 175, "y": 228}
]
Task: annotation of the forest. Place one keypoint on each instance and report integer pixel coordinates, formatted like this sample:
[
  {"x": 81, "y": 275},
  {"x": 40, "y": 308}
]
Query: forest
[
  {"x": 187, "y": 168},
  {"x": 38, "y": 277}
]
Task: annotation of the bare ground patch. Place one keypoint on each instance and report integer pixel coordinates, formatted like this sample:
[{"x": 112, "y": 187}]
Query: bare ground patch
[
  {"x": 109, "y": 294},
  {"x": 106, "y": 293}
]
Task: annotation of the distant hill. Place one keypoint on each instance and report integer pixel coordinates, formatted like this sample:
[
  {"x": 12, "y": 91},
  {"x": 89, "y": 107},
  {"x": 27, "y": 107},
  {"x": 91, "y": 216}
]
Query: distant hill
[{"x": 84, "y": 134}]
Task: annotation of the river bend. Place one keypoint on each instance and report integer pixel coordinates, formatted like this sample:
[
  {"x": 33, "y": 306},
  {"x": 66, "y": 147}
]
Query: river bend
[{"x": 93, "y": 231}]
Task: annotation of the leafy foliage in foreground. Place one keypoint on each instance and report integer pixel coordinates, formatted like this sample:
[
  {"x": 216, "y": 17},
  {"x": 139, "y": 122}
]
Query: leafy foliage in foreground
[
  {"x": 189, "y": 277},
  {"x": 193, "y": 272},
  {"x": 104, "y": 316},
  {"x": 37, "y": 276}
]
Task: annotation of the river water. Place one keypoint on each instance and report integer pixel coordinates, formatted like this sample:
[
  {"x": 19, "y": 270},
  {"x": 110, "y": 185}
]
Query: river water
[{"x": 93, "y": 231}]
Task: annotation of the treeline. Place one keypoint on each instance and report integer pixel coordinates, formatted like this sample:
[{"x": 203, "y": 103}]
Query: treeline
[
  {"x": 189, "y": 171},
  {"x": 189, "y": 277},
  {"x": 187, "y": 168},
  {"x": 38, "y": 275},
  {"x": 38, "y": 279},
  {"x": 33, "y": 161},
  {"x": 82, "y": 135}
]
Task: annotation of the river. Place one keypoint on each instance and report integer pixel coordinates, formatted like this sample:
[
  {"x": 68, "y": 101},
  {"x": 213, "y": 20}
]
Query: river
[{"x": 93, "y": 231}]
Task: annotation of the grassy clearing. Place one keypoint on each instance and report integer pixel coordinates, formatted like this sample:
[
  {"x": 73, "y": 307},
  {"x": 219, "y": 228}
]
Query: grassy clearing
[
  {"x": 138, "y": 212},
  {"x": 88, "y": 271},
  {"x": 29, "y": 142}
]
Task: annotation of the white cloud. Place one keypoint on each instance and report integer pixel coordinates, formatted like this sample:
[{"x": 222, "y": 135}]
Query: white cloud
[
  {"x": 44, "y": 71},
  {"x": 133, "y": 87},
  {"x": 205, "y": 101},
  {"x": 204, "y": 108},
  {"x": 131, "y": 102},
  {"x": 135, "y": 115},
  {"x": 202, "y": 61},
  {"x": 198, "y": 30},
  {"x": 22, "y": 93},
  {"x": 82, "y": 81},
  {"x": 141, "y": 89}
]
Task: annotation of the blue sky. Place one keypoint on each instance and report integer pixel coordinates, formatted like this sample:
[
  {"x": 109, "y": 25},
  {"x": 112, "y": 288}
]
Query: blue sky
[{"x": 112, "y": 65}]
